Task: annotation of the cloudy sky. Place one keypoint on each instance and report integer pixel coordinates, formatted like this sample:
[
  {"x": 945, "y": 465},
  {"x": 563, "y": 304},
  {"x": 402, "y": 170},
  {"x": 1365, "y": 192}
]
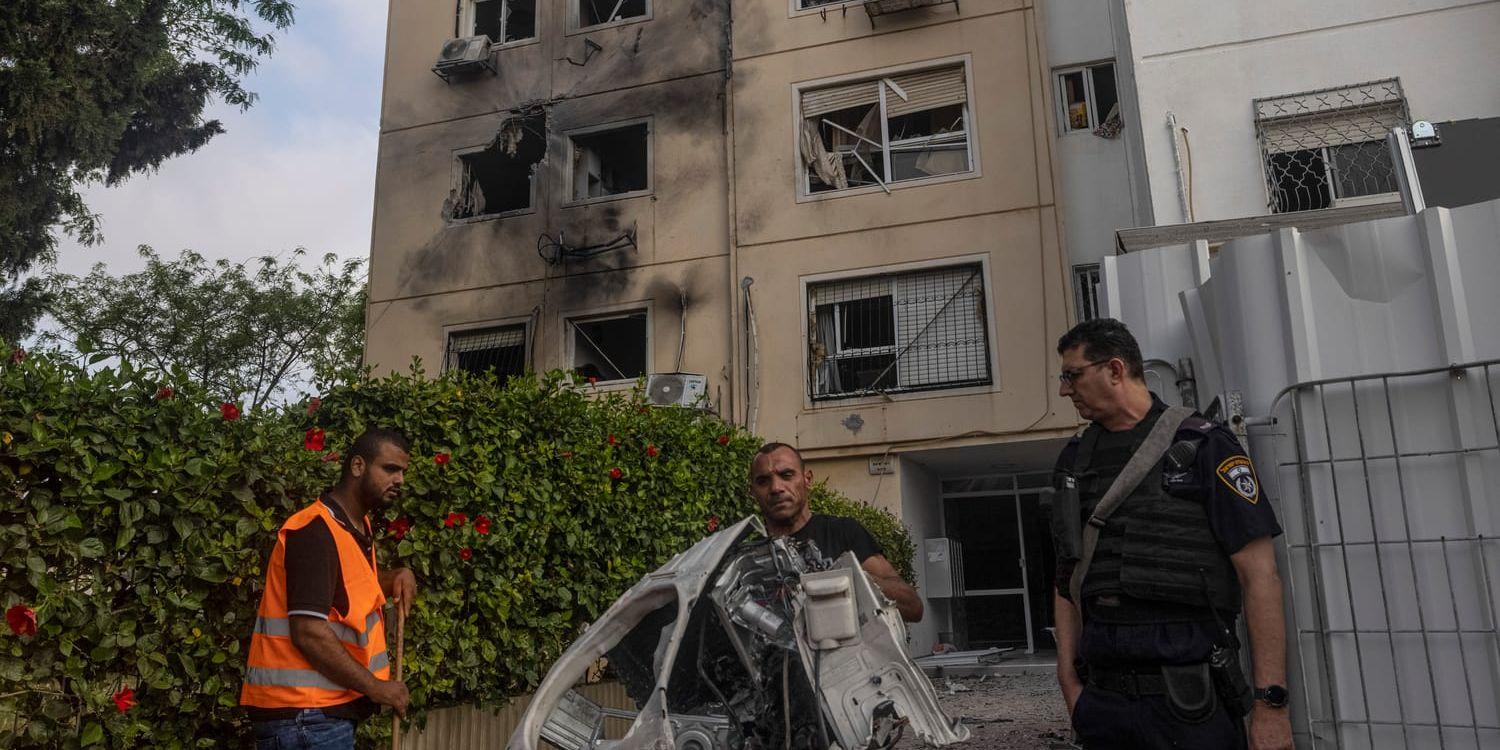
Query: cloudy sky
[{"x": 296, "y": 169}]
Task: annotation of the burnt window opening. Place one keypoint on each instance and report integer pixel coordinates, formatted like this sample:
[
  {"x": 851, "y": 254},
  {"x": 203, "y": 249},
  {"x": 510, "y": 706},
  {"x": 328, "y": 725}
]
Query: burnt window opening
[
  {"x": 611, "y": 162},
  {"x": 885, "y": 130},
  {"x": 596, "y": 12},
  {"x": 502, "y": 178},
  {"x": 500, "y": 350},
  {"x": 612, "y": 347},
  {"x": 505, "y": 20}
]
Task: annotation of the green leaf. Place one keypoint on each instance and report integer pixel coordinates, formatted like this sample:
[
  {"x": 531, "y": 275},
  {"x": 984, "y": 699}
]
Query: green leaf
[
  {"x": 91, "y": 547},
  {"x": 92, "y": 734}
]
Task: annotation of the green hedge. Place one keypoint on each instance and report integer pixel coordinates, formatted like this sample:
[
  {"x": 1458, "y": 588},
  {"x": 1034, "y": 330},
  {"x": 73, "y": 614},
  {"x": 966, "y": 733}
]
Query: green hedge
[{"x": 135, "y": 516}]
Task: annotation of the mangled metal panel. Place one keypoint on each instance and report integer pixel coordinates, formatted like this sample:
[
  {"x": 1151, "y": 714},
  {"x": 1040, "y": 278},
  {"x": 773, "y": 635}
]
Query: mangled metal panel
[{"x": 743, "y": 643}]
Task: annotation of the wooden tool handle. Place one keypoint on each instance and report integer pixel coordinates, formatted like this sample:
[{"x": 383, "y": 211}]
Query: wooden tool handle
[{"x": 400, "y": 652}]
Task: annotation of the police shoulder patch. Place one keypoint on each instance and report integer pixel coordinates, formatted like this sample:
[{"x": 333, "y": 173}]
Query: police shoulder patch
[{"x": 1239, "y": 475}]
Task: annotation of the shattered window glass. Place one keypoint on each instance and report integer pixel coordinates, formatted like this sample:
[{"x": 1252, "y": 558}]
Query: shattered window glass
[
  {"x": 595, "y": 12},
  {"x": 501, "y": 177},
  {"x": 610, "y": 348},
  {"x": 505, "y": 20},
  {"x": 611, "y": 162},
  {"x": 875, "y": 132}
]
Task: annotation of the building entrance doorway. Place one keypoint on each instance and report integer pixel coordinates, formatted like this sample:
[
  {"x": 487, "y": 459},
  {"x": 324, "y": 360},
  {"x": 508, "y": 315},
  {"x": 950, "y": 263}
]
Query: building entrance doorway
[{"x": 1007, "y": 559}]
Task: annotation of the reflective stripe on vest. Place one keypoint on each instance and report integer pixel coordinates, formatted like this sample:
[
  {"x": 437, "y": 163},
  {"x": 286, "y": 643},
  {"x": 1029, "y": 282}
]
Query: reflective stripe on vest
[
  {"x": 277, "y": 674},
  {"x": 282, "y": 627}
]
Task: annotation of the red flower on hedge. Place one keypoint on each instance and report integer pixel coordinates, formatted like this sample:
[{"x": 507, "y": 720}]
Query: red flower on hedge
[
  {"x": 724, "y": 439},
  {"x": 124, "y": 700},
  {"x": 567, "y": 454},
  {"x": 22, "y": 620},
  {"x": 18, "y": 356},
  {"x": 313, "y": 441},
  {"x": 165, "y": 392},
  {"x": 455, "y": 519},
  {"x": 229, "y": 411},
  {"x": 614, "y": 440},
  {"x": 482, "y": 524},
  {"x": 441, "y": 458},
  {"x": 330, "y": 456},
  {"x": 313, "y": 404},
  {"x": 465, "y": 553},
  {"x": 652, "y": 451},
  {"x": 615, "y": 473},
  {"x": 713, "y": 524},
  {"x": 399, "y": 527}
]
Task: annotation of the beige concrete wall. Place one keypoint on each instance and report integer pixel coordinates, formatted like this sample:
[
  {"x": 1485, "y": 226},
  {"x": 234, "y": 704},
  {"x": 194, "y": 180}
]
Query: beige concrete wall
[{"x": 1001, "y": 215}]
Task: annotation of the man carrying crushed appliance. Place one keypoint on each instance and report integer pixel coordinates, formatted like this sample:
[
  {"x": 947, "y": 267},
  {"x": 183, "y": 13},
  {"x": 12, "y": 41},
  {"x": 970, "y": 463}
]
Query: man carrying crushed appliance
[{"x": 1151, "y": 661}]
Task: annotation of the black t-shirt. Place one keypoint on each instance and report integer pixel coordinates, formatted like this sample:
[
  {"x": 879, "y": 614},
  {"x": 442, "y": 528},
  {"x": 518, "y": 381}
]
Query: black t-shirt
[
  {"x": 835, "y": 536},
  {"x": 1224, "y": 480},
  {"x": 315, "y": 588}
]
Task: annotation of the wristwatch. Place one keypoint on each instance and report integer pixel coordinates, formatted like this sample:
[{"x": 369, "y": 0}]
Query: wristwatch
[{"x": 1272, "y": 695}]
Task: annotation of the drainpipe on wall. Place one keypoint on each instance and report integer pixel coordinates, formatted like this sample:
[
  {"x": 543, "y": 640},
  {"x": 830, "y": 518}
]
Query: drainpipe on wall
[{"x": 1182, "y": 185}]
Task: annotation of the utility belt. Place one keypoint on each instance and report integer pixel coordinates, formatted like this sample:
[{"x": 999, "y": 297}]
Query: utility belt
[{"x": 1193, "y": 692}]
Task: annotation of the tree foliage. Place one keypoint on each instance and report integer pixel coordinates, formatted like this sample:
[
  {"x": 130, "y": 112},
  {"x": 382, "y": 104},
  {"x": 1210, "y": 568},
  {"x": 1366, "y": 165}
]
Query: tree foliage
[
  {"x": 248, "y": 331},
  {"x": 99, "y": 90},
  {"x": 136, "y": 518}
]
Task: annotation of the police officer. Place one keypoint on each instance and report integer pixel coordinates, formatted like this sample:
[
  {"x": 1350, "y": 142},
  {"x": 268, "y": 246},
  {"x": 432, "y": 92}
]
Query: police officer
[{"x": 1151, "y": 659}]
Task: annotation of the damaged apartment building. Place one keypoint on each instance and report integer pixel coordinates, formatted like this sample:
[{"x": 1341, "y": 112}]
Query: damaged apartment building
[{"x": 839, "y": 217}]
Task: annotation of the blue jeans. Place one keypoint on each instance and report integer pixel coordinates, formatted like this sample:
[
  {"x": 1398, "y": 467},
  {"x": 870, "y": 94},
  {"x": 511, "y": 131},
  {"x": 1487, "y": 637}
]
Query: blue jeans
[{"x": 311, "y": 730}]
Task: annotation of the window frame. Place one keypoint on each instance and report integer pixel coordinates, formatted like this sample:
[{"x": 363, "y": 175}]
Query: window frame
[
  {"x": 575, "y": 18},
  {"x": 528, "y": 331},
  {"x": 795, "y": 7},
  {"x": 570, "y": 152},
  {"x": 1089, "y": 97},
  {"x": 468, "y": 16},
  {"x": 609, "y": 312},
  {"x": 935, "y": 264},
  {"x": 1081, "y": 274},
  {"x": 460, "y": 172},
  {"x": 803, "y": 181}
]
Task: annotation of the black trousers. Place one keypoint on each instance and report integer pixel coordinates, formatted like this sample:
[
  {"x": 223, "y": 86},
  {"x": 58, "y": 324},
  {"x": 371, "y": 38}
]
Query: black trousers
[{"x": 1106, "y": 720}]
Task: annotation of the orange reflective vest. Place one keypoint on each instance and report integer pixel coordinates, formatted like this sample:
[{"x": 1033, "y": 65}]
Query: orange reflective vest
[{"x": 277, "y": 675}]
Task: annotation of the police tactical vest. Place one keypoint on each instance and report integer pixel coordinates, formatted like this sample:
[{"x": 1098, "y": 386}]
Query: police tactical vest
[{"x": 1156, "y": 547}]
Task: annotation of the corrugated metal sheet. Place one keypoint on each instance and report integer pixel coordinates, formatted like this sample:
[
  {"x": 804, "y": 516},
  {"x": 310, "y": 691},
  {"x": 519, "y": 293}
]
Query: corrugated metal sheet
[
  {"x": 1388, "y": 485},
  {"x": 470, "y": 728}
]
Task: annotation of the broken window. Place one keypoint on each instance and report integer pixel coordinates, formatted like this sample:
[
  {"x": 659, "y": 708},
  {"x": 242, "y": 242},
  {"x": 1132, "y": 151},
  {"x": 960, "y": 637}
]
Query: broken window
[
  {"x": 611, "y": 162},
  {"x": 501, "y": 178},
  {"x": 1089, "y": 98},
  {"x": 501, "y": 350},
  {"x": 610, "y": 347},
  {"x": 884, "y": 130},
  {"x": 504, "y": 20},
  {"x": 1086, "y": 290},
  {"x": 1326, "y": 148},
  {"x": 595, "y": 12},
  {"x": 816, "y": 3},
  {"x": 898, "y": 332}
]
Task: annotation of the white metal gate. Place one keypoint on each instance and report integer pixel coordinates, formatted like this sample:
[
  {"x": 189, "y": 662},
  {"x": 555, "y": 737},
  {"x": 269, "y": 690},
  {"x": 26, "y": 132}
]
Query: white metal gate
[{"x": 1389, "y": 486}]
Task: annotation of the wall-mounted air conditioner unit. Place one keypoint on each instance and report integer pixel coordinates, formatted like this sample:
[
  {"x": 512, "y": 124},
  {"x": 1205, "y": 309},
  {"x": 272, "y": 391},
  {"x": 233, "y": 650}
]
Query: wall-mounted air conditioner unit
[
  {"x": 943, "y": 562},
  {"x": 675, "y": 389},
  {"x": 464, "y": 55}
]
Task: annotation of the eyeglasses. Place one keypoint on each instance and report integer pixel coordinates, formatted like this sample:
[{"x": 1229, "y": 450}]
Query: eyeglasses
[{"x": 1067, "y": 377}]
